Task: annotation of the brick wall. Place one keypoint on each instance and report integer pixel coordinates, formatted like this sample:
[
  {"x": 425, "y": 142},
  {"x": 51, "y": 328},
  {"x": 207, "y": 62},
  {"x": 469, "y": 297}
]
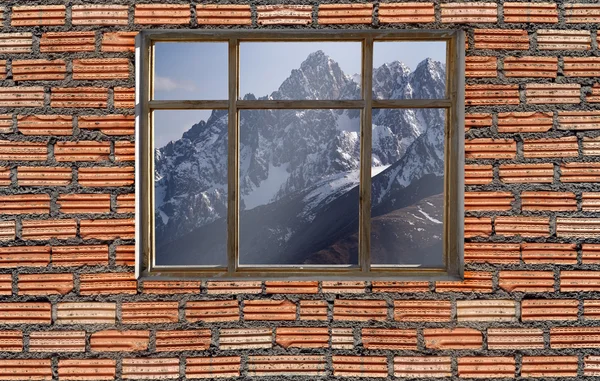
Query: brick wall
[{"x": 71, "y": 309}]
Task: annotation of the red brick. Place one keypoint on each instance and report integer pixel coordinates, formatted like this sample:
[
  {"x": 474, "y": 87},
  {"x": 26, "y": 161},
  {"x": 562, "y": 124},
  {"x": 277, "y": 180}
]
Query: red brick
[
  {"x": 342, "y": 338},
  {"x": 579, "y": 120},
  {"x": 6, "y": 123},
  {"x": 281, "y": 14},
  {"x": 560, "y": 147},
  {"x": 481, "y": 95},
  {"x": 477, "y": 227},
  {"x": 84, "y": 203},
  {"x": 92, "y": 97},
  {"x": 406, "y": 13},
  {"x": 232, "y": 339},
  {"x": 124, "y": 151},
  {"x": 581, "y": 66},
  {"x": 25, "y": 204},
  {"x": 119, "y": 341},
  {"x": 359, "y": 310},
  {"x": 593, "y": 96},
  {"x": 100, "y": 68},
  {"x": 522, "y": 12},
  {"x": 485, "y": 310},
  {"x": 343, "y": 287},
  {"x": 524, "y": 122},
  {"x": 45, "y": 284},
  {"x": 486, "y": 367},
  {"x": 591, "y": 146},
  {"x": 477, "y": 120},
  {"x": 488, "y": 201},
  {"x": 474, "y": 281},
  {"x": 26, "y": 369},
  {"x": 99, "y": 14},
  {"x": 505, "y": 39},
  {"x": 392, "y": 339},
  {"x": 477, "y": 174},
  {"x": 401, "y": 287},
  {"x": 515, "y": 338},
  {"x": 522, "y": 226},
  {"x": 578, "y": 227},
  {"x": 269, "y": 310},
  {"x": 580, "y": 172},
  {"x": 590, "y": 201},
  {"x": 313, "y": 310},
  {"x": 57, "y": 341},
  {"x": 549, "y": 366},
  {"x": 291, "y": 287},
  {"x": 465, "y": 13},
  {"x": 527, "y": 173},
  {"x": 7, "y": 230},
  {"x": 190, "y": 340},
  {"x": 549, "y": 309},
  {"x": 212, "y": 367},
  {"x": 574, "y": 337},
  {"x": 481, "y": 67},
  {"x": 223, "y": 14},
  {"x": 118, "y": 41},
  {"x": 6, "y": 284},
  {"x": 21, "y": 96},
  {"x": 360, "y": 366},
  {"x": 86, "y": 369},
  {"x": 82, "y": 151},
  {"x": 591, "y": 366},
  {"x": 106, "y": 176},
  {"x": 552, "y": 93},
  {"x": 68, "y": 42},
  {"x": 526, "y": 281},
  {"x": 23, "y": 151},
  {"x": 578, "y": 280},
  {"x": 551, "y": 253},
  {"x": 484, "y": 148},
  {"x": 249, "y": 287},
  {"x": 58, "y": 125},
  {"x": 533, "y": 67},
  {"x": 38, "y": 70},
  {"x": 3, "y": 69},
  {"x": 345, "y": 13},
  {"x": 157, "y": 14},
  {"x": 422, "y": 366},
  {"x": 212, "y": 311},
  {"x": 11, "y": 341},
  {"x": 15, "y": 43},
  {"x": 47, "y": 229},
  {"x": 125, "y": 255},
  {"x": 301, "y": 337},
  {"x": 171, "y": 287},
  {"x": 107, "y": 229},
  {"x": 422, "y": 310},
  {"x": 38, "y": 15},
  {"x": 24, "y": 256},
  {"x": 80, "y": 255},
  {"x": 150, "y": 368},
  {"x": 582, "y": 13},
  {"x": 533, "y": 201},
  {"x": 303, "y": 365},
  {"x": 552, "y": 39},
  {"x": 25, "y": 313},
  {"x": 107, "y": 283},
  {"x": 108, "y": 124},
  {"x": 457, "y": 338},
  {"x": 150, "y": 312},
  {"x": 494, "y": 253},
  {"x": 85, "y": 313},
  {"x": 5, "y": 176},
  {"x": 124, "y": 97},
  {"x": 591, "y": 309}
]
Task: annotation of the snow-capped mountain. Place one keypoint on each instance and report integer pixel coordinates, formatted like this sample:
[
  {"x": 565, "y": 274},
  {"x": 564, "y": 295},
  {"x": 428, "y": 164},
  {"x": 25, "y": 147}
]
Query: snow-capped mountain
[{"x": 296, "y": 167}]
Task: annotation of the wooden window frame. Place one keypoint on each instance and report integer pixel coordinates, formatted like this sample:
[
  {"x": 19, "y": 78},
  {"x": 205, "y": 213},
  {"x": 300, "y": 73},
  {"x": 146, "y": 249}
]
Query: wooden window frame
[{"x": 453, "y": 103}]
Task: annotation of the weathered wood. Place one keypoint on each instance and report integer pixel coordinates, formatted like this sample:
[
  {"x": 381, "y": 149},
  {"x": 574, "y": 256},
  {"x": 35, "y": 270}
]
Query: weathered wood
[
  {"x": 233, "y": 161},
  {"x": 189, "y": 105},
  {"x": 366, "y": 129}
]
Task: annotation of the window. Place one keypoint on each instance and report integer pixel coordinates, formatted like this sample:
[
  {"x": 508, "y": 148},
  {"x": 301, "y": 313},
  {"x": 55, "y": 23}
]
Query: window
[{"x": 300, "y": 155}]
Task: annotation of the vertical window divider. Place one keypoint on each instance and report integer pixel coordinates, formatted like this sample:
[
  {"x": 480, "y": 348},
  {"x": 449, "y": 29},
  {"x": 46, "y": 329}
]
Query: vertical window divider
[
  {"x": 364, "y": 240},
  {"x": 233, "y": 159}
]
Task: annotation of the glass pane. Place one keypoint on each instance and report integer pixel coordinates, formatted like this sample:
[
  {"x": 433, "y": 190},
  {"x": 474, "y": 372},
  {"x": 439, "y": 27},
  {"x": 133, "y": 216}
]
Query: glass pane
[
  {"x": 299, "y": 174},
  {"x": 190, "y": 70},
  {"x": 407, "y": 187},
  {"x": 409, "y": 70},
  {"x": 300, "y": 70},
  {"x": 190, "y": 184}
]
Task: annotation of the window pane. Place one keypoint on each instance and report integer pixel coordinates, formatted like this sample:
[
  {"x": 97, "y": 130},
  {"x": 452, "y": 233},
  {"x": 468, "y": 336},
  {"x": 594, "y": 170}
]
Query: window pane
[
  {"x": 300, "y": 70},
  {"x": 409, "y": 70},
  {"x": 190, "y": 184},
  {"x": 407, "y": 187},
  {"x": 190, "y": 70},
  {"x": 299, "y": 173}
]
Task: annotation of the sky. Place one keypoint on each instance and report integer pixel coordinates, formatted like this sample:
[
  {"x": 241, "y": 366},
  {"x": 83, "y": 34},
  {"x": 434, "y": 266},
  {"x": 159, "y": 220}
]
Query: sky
[{"x": 198, "y": 70}]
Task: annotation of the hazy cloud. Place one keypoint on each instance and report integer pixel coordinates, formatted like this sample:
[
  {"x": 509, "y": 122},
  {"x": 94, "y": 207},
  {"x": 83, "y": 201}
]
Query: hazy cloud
[{"x": 169, "y": 84}]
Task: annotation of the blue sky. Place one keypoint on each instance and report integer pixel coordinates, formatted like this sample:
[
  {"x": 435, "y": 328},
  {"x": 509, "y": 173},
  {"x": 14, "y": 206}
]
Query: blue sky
[{"x": 198, "y": 70}]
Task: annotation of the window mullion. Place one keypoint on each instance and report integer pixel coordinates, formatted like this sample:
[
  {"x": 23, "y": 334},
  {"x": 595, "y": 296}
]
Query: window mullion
[
  {"x": 364, "y": 252},
  {"x": 233, "y": 159}
]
